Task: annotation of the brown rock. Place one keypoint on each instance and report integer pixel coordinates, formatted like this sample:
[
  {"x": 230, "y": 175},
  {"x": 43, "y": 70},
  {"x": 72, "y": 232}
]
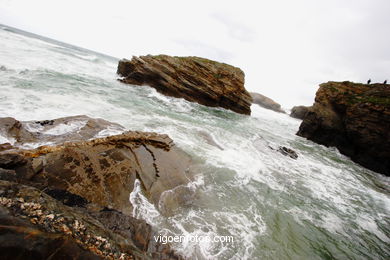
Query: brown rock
[
  {"x": 104, "y": 170},
  {"x": 299, "y": 112},
  {"x": 195, "y": 79},
  {"x": 36, "y": 226},
  {"x": 266, "y": 102},
  {"x": 355, "y": 118},
  {"x": 94, "y": 178}
]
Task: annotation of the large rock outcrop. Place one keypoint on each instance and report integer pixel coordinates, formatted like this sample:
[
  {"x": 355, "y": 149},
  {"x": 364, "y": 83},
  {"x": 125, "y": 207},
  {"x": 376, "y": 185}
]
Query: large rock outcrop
[
  {"x": 195, "y": 79},
  {"x": 355, "y": 118},
  {"x": 266, "y": 102},
  {"x": 299, "y": 112},
  {"x": 95, "y": 176}
]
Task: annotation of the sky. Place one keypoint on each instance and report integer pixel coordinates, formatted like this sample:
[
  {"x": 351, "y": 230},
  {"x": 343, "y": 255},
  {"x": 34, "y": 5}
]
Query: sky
[{"x": 285, "y": 47}]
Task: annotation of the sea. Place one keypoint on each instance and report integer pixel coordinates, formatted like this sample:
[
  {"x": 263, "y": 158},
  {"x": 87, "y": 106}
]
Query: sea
[{"x": 318, "y": 206}]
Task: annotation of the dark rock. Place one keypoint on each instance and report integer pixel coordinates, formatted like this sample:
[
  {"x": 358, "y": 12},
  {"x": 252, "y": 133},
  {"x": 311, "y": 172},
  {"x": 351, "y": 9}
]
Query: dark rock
[
  {"x": 36, "y": 226},
  {"x": 89, "y": 181},
  {"x": 45, "y": 122},
  {"x": 67, "y": 198},
  {"x": 266, "y": 102},
  {"x": 355, "y": 118},
  {"x": 11, "y": 160},
  {"x": 288, "y": 152},
  {"x": 5, "y": 146},
  {"x": 299, "y": 111},
  {"x": 7, "y": 175},
  {"x": 195, "y": 79}
]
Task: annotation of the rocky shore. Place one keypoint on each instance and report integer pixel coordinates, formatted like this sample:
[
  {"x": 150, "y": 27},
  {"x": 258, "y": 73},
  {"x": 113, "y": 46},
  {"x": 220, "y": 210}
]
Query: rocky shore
[
  {"x": 70, "y": 200},
  {"x": 195, "y": 79},
  {"x": 355, "y": 118}
]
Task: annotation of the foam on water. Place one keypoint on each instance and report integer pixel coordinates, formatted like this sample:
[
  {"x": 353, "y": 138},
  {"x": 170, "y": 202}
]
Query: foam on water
[{"x": 320, "y": 206}]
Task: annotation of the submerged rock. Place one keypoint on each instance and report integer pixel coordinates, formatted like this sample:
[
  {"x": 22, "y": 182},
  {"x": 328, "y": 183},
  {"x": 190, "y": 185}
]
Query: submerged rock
[
  {"x": 209, "y": 139},
  {"x": 96, "y": 177},
  {"x": 299, "y": 112},
  {"x": 266, "y": 102},
  {"x": 195, "y": 79},
  {"x": 288, "y": 152},
  {"x": 355, "y": 118},
  {"x": 31, "y": 134}
]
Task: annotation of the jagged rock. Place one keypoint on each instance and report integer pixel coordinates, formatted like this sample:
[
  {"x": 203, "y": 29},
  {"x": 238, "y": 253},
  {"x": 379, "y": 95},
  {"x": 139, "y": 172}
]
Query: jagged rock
[
  {"x": 103, "y": 170},
  {"x": 355, "y": 118},
  {"x": 36, "y": 226},
  {"x": 266, "y": 102},
  {"x": 288, "y": 152},
  {"x": 195, "y": 79},
  {"x": 96, "y": 177},
  {"x": 31, "y": 134},
  {"x": 299, "y": 111}
]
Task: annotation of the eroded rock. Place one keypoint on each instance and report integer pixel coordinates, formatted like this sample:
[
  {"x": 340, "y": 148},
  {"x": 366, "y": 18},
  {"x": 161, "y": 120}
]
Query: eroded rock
[
  {"x": 36, "y": 226},
  {"x": 195, "y": 79},
  {"x": 89, "y": 180},
  {"x": 355, "y": 118}
]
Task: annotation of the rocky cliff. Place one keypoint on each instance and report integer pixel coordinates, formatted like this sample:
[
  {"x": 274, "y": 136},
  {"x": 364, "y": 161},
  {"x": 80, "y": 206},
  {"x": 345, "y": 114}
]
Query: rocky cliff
[
  {"x": 195, "y": 79},
  {"x": 355, "y": 118},
  {"x": 72, "y": 199},
  {"x": 266, "y": 102}
]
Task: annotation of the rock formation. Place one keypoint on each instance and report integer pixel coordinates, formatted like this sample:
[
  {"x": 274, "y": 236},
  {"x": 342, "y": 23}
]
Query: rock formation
[
  {"x": 266, "y": 102},
  {"x": 31, "y": 134},
  {"x": 74, "y": 196},
  {"x": 195, "y": 79},
  {"x": 355, "y": 118},
  {"x": 299, "y": 111},
  {"x": 288, "y": 152}
]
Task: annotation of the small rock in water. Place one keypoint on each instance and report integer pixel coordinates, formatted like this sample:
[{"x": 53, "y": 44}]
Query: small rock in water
[
  {"x": 288, "y": 152},
  {"x": 45, "y": 122}
]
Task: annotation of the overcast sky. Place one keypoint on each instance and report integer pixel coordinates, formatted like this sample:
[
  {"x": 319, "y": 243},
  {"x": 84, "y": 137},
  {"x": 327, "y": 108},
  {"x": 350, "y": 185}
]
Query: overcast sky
[{"x": 285, "y": 47}]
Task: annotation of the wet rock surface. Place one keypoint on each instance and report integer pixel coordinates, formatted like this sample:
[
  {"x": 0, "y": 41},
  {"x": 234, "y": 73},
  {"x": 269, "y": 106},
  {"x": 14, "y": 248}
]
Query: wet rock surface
[
  {"x": 195, "y": 79},
  {"x": 266, "y": 102},
  {"x": 288, "y": 152},
  {"x": 90, "y": 182},
  {"x": 355, "y": 118},
  {"x": 31, "y": 134}
]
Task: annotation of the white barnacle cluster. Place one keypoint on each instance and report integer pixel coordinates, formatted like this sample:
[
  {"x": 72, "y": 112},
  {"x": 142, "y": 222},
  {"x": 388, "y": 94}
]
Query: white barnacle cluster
[{"x": 53, "y": 222}]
